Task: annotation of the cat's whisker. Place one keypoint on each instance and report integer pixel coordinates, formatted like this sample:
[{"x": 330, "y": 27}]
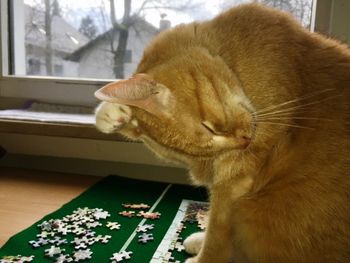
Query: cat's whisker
[
  {"x": 292, "y": 118},
  {"x": 314, "y": 94},
  {"x": 286, "y": 111},
  {"x": 261, "y": 132},
  {"x": 285, "y": 124},
  {"x": 302, "y": 106}
]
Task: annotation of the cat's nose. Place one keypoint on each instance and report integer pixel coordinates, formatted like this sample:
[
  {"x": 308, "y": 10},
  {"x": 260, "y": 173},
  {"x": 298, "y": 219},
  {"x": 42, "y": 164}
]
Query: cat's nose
[{"x": 244, "y": 141}]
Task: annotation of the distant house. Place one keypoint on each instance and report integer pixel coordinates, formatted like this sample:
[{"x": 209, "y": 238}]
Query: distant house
[
  {"x": 96, "y": 59},
  {"x": 65, "y": 40}
]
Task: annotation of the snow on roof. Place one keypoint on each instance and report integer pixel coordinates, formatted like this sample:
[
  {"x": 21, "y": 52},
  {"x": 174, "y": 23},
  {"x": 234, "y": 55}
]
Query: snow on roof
[{"x": 65, "y": 38}]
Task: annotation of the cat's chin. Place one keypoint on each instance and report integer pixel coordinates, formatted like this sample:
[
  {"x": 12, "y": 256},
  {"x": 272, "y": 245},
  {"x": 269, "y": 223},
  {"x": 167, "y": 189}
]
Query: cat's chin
[{"x": 164, "y": 153}]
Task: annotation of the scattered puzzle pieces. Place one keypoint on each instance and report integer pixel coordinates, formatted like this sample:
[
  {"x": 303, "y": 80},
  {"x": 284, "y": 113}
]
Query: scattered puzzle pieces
[
  {"x": 53, "y": 251},
  {"x": 82, "y": 254},
  {"x": 45, "y": 226},
  {"x": 45, "y": 234},
  {"x": 118, "y": 257},
  {"x": 145, "y": 238},
  {"x": 113, "y": 225},
  {"x": 80, "y": 246},
  {"x": 127, "y": 213},
  {"x": 38, "y": 243},
  {"x": 93, "y": 224},
  {"x": 145, "y": 228},
  {"x": 26, "y": 259},
  {"x": 80, "y": 226},
  {"x": 103, "y": 239},
  {"x": 18, "y": 259},
  {"x": 101, "y": 214},
  {"x": 149, "y": 215},
  {"x": 8, "y": 259},
  {"x": 136, "y": 206},
  {"x": 63, "y": 258},
  {"x": 58, "y": 241}
]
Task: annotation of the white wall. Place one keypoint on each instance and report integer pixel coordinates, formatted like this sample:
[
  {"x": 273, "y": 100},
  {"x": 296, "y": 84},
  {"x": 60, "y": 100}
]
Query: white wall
[
  {"x": 334, "y": 19},
  {"x": 340, "y": 24},
  {"x": 86, "y": 156}
]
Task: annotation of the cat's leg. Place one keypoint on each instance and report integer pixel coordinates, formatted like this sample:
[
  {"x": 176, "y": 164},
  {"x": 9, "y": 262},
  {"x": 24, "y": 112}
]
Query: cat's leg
[
  {"x": 111, "y": 117},
  {"x": 194, "y": 242},
  {"x": 217, "y": 246}
]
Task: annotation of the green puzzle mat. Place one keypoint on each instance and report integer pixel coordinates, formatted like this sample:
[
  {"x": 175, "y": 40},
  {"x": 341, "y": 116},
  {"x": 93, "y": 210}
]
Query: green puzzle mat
[{"x": 109, "y": 194}]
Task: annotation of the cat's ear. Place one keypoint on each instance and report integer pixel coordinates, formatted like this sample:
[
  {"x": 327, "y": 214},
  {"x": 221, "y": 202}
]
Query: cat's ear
[{"x": 139, "y": 91}]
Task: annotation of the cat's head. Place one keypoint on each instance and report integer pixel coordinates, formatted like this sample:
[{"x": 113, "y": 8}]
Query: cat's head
[{"x": 192, "y": 106}]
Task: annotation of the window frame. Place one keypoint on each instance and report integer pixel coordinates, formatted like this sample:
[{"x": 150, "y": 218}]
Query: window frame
[
  {"x": 80, "y": 90},
  {"x": 41, "y": 88}
]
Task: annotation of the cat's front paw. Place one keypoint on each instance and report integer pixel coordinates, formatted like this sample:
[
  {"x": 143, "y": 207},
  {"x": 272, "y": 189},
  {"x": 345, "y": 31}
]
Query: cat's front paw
[
  {"x": 192, "y": 260},
  {"x": 194, "y": 243},
  {"x": 111, "y": 117}
]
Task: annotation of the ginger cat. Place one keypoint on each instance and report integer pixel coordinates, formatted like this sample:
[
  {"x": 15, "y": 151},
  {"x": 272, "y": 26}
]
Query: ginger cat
[{"x": 258, "y": 108}]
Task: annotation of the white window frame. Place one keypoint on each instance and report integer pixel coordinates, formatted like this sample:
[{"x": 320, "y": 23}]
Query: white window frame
[
  {"x": 72, "y": 90},
  {"x": 75, "y": 91}
]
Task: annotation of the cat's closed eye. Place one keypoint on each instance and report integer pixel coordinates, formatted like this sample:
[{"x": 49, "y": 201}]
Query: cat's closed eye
[{"x": 210, "y": 127}]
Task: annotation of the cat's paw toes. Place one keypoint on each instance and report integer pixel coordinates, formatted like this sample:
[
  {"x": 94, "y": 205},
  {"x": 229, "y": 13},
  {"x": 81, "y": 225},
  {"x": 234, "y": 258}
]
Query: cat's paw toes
[
  {"x": 194, "y": 243},
  {"x": 192, "y": 260},
  {"x": 111, "y": 117}
]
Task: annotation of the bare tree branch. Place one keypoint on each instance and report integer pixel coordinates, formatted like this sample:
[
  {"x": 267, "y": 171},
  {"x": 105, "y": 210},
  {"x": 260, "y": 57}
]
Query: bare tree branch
[
  {"x": 120, "y": 30},
  {"x": 143, "y": 5},
  {"x": 127, "y": 10},
  {"x": 103, "y": 15},
  {"x": 112, "y": 10},
  {"x": 159, "y": 4}
]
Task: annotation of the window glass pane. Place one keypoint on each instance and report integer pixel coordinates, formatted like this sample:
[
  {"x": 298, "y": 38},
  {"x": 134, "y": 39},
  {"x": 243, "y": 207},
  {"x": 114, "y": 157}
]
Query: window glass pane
[{"x": 104, "y": 38}]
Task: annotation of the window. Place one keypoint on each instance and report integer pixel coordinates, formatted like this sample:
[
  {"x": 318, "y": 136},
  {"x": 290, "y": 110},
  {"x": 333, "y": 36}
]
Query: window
[
  {"x": 75, "y": 40},
  {"x": 128, "y": 56},
  {"x": 81, "y": 35},
  {"x": 58, "y": 70},
  {"x": 33, "y": 66}
]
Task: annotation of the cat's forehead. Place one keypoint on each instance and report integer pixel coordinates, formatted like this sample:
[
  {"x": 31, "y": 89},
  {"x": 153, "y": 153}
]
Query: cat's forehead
[{"x": 200, "y": 83}]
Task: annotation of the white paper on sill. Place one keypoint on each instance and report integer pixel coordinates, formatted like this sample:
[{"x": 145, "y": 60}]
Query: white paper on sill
[{"x": 47, "y": 116}]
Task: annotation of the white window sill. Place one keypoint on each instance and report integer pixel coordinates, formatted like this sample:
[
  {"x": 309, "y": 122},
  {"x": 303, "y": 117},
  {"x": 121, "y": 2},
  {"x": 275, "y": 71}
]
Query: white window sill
[
  {"x": 50, "y": 117},
  {"x": 62, "y": 125}
]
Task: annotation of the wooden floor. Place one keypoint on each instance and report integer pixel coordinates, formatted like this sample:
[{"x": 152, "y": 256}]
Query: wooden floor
[{"x": 27, "y": 195}]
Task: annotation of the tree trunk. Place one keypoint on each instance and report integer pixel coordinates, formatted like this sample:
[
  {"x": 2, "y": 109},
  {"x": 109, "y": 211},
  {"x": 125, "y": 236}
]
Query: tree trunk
[
  {"x": 119, "y": 54},
  {"x": 123, "y": 29},
  {"x": 48, "y": 51},
  {"x": 113, "y": 18}
]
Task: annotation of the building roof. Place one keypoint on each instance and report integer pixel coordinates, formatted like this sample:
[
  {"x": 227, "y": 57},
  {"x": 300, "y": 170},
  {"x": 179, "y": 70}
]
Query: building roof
[
  {"x": 139, "y": 24},
  {"x": 65, "y": 38}
]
